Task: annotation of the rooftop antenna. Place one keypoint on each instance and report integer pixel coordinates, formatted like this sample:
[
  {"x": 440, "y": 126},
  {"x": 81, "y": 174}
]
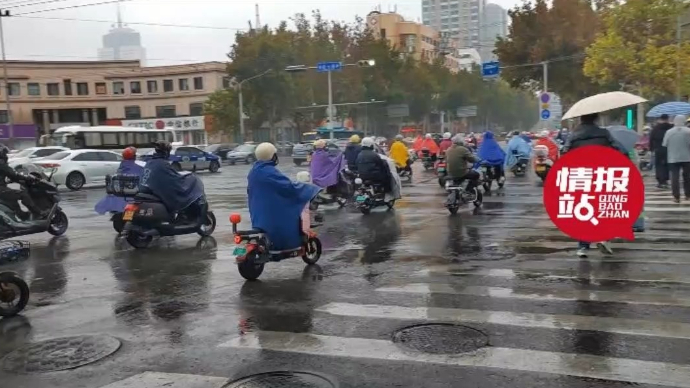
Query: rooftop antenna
[
  {"x": 258, "y": 21},
  {"x": 119, "y": 15}
]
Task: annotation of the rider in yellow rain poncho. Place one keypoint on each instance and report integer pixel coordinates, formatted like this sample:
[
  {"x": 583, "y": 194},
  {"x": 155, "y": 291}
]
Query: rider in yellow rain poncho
[{"x": 400, "y": 154}]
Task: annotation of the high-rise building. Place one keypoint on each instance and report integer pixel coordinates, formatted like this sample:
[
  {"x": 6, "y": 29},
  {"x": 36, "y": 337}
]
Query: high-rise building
[
  {"x": 494, "y": 25},
  {"x": 122, "y": 43},
  {"x": 460, "y": 18}
]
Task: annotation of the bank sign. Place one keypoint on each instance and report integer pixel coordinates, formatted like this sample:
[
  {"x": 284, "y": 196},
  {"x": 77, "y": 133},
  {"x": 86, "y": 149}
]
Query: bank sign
[{"x": 179, "y": 123}]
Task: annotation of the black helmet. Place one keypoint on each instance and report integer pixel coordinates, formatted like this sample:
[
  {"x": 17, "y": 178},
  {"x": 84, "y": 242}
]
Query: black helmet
[
  {"x": 4, "y": 151},
  {"x": 162, "y": 148}
]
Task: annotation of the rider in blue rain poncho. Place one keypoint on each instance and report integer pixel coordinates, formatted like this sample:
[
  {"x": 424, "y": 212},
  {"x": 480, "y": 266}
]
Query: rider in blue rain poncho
[
  {"x": 276, "y": 202},
  {"x": 517, "y": 146},
  {"x": 491, "y": 154}
]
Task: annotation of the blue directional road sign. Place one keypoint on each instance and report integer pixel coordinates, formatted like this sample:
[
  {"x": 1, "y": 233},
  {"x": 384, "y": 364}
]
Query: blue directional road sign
[
  {"x": 545, "y": 114},
  {"x": 491, "y": 69},
  {"x": 323, "y": 67}
]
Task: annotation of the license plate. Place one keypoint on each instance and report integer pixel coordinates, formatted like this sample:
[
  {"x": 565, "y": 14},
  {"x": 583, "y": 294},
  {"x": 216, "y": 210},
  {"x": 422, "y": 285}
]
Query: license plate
[
  {"x": 129, "y": 214},
  {"x": 361, "y": 198},
  {"x": 541, "y": 168},
  {"x": 239, "y": 251}
]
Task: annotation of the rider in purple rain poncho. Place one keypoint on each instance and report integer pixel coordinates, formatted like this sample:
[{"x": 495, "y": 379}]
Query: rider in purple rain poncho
[
  {"x": 325, "y": 167},
  {"x": 128, "y": 166}
]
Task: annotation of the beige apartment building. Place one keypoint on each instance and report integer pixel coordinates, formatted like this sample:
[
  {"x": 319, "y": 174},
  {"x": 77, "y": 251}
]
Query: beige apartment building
[
  {"x": 47, "y": 95},
  {"x": 415, "y": 39}
]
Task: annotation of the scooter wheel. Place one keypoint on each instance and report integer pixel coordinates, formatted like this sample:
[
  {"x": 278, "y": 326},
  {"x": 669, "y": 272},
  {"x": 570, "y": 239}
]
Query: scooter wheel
[
  {"x": 209, "y": 226},
  {"x": 342, "y": 202},
  {"x": 10, "y": 285},
  {"x": 365, "y": 210},
  {"x": 138, "y": 240},
  {"x": 390, "y": 204},
  {"x": 312, "y": 251},
  {"x": 453, "y": 209},
  {"x": 478, "y": 199},
  {"x": 249, "y": 269},
  {"x": 58, "y": 224},
  {"x": 118, "y": 223}
]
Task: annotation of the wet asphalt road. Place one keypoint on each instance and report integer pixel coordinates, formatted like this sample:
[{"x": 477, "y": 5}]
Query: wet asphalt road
[{"x": 548, "y": 318}]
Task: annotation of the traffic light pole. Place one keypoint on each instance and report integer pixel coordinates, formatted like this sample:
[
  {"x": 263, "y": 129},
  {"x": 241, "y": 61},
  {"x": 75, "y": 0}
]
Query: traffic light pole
[{"x": 330, "y": 105}]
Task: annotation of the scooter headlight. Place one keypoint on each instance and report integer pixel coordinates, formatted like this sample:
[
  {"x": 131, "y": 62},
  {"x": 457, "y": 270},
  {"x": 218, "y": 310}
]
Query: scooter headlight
[{"x": 358, "y": 181}]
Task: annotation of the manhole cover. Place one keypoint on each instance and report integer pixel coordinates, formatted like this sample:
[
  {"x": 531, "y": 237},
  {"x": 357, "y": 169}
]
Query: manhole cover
[
  {"x": 60, "y": 354},
  {"x": 441, "y": 338},
  {"x": 283, "y": 379}
]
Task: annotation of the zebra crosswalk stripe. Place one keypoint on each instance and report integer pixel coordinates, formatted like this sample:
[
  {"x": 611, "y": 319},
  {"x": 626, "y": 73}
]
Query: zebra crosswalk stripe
[{"x": 580, "y": 365}]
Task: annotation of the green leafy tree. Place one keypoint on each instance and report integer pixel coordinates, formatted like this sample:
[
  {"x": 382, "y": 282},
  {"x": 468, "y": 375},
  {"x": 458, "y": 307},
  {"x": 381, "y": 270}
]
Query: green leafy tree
[
  {"x": 559, "y": 33},
  {"x": 222, "y": 106},
  {"x": 638, "y": 49}
]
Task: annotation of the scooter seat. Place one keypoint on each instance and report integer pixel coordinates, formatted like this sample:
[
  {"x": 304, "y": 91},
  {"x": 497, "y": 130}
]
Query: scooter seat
[
  {"x": 147, "y": 197},
  {"x": 249, "y": 232}
]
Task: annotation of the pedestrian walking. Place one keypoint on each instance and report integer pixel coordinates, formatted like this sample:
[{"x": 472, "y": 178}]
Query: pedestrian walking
[
  {"x": 660, "y": 154},
  {"x": 677, "y": 144},
  {"x": 586, "y": 134}
]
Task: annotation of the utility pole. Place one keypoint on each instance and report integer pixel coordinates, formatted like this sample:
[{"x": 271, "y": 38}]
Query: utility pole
[
  {"x": 10, "y": 121},
  {"x": 330, "y": 105},
  {"x": 545, "y": 66},
  {"x": 241, "y": 102}
]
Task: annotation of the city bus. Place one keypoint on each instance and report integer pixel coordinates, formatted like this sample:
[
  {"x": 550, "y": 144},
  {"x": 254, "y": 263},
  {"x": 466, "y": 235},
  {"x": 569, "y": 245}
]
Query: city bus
[{"x": 107, "y": 137}]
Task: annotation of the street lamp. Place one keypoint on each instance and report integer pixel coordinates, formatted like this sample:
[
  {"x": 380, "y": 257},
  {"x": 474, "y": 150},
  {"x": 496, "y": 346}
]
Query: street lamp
[
  {"x": 331, "y": 108},
  {"x": 239, "y": 92}
]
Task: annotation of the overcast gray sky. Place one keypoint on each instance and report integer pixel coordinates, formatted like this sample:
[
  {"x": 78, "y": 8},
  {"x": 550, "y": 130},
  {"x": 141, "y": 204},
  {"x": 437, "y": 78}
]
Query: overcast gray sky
[{"x": 29, "y": 37}]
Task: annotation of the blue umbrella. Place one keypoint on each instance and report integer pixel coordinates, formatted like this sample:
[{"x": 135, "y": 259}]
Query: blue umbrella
[{"x": 670, "y": 108}]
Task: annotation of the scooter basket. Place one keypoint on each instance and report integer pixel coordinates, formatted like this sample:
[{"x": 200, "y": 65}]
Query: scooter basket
[
  {"x": 14, "y": 250},
  {"x": 122, "y": 185}
]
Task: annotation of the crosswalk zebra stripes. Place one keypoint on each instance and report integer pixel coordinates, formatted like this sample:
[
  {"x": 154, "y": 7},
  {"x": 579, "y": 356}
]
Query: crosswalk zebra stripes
[{"x": 640, "y": 295}]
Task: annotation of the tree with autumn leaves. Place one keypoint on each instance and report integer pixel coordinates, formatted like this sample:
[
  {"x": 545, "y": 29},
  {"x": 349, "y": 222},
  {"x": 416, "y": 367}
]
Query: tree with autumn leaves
[{"x": 396, "y": 79}]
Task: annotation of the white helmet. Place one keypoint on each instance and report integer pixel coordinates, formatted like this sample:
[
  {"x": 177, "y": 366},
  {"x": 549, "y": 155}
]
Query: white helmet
[
  {"x": 428, "y": 136},
  {"x": 320, "y": 144},
  {"x": 447, "y": 135},
  {"x": 304, "y": 177},
  {"x": 368, "y": 142},
  {"x": 265, "y": 151},
  {"x": 459, "y": 140}
]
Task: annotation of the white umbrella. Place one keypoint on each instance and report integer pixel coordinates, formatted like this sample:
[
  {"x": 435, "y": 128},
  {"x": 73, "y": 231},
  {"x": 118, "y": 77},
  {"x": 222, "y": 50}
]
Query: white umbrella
[{"x": 602, "y": 103}]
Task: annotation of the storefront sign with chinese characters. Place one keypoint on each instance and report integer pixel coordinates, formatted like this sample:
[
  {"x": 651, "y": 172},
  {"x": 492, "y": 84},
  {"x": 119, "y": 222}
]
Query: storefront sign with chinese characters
[
  {"x": 178, "y": 123},
  {"x": 594, "y": 194}
]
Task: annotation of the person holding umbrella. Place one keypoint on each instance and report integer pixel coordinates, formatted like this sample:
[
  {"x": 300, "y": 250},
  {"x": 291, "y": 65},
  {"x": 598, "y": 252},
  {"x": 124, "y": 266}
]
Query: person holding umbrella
[
  {"x": 659, "y": 151},
  {"x": 677, "y": 143}
]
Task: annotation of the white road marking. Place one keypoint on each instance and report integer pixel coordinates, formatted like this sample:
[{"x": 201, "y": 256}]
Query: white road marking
[
  {"x": 594, "y": 277},
  {"x": 541, "y": 294},
  {"x": 566, "y": 364},
  {"x": 169, "y": 380},
  {"x": 663, "y": 329}
]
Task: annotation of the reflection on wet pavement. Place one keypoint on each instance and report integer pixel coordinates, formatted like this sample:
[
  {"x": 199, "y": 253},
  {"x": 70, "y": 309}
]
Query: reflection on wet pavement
[{"x": 552, "y": 319}]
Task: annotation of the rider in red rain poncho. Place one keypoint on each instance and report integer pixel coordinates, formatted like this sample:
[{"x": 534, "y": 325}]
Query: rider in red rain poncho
[
  {"x": 545, "y": 140},
  {"x": 445, "y": 143},
  {"x": 429, "y": 144}
]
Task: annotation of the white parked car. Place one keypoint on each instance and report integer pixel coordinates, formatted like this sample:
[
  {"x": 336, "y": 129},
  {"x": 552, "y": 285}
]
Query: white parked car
[
  {"x": 76, "y": 168},
  {"x": 32, "y": 153}
]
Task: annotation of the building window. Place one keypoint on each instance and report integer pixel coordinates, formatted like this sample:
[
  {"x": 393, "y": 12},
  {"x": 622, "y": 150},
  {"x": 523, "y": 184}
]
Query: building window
[
  {"x": 383, "y": 33},
  {"x": 184, "y": 83},
  {"x": 196, "y": 109},
  {"x": 53, "y": 89},
  {"x": 82, "y": 88},
  {"x": 198, "y": 83},
  {"x": 118, "y": 87},
  {"x": 135, "y": 87},
  {"x": 165, "y": 111},
  {"x": 132, "y": 112},
  {"x": 4, "y": 117},
  {"x": 167, "y": 85},
  {"x": 152, "y": 86},
  {"x": 13, "y": 89},
  {"x": 68, "y": 86},
  {"x": 226, "y": 82},
  {"x": 34, "y": 89},
  {"x": 101, "y": 88}
]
